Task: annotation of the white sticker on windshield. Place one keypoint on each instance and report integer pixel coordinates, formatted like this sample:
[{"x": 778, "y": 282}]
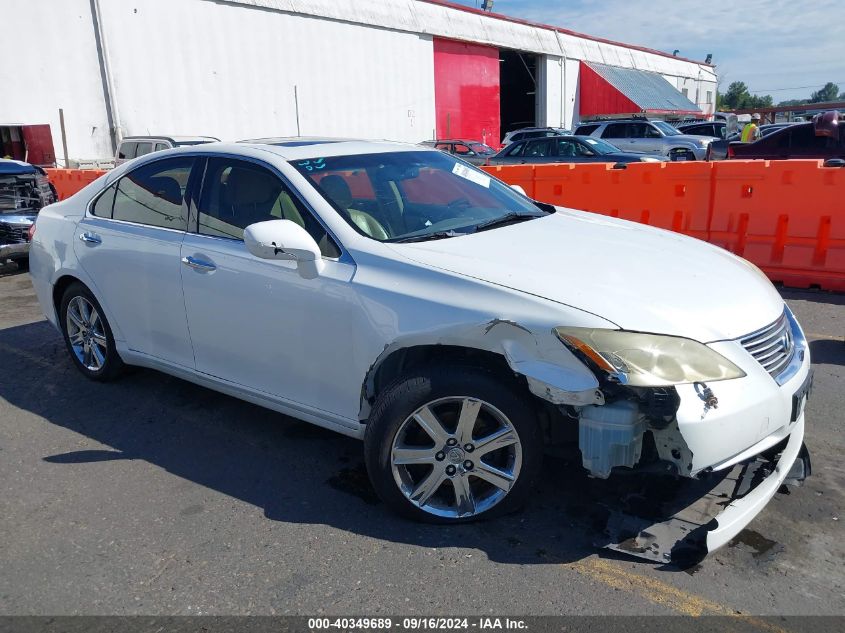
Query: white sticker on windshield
[
  {"x": 591, "y": 141},
  {"x": 470, "y": 174}
]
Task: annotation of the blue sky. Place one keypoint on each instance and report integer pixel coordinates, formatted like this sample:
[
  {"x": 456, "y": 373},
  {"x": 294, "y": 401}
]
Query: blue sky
[{"x": 776, "y": 47}]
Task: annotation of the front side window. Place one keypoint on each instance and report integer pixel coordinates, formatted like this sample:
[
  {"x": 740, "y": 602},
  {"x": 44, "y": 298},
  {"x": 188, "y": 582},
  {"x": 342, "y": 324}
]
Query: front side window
[
  {"x": 462, "y": 150},
  {"x": 238, "y": 193},
  {"x": 143, "y": 148},
  {"x": 154, "y": 194},
  {"x": 161, "y": 146},
  {"x": 569, "y": 149},
  {"x": 418, "y": 195}
]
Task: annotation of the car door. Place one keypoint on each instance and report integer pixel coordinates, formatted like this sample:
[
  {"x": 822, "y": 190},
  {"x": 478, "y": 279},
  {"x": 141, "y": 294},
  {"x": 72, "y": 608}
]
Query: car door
[
  {"x": 258, "y": 323},
  {"x": 646, "y": 138},
  {"x": 129, "y": 244}
]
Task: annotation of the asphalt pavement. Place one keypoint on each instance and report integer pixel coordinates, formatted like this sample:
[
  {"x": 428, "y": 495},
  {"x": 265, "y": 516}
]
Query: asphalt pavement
[{"x": 151, "y": 495}]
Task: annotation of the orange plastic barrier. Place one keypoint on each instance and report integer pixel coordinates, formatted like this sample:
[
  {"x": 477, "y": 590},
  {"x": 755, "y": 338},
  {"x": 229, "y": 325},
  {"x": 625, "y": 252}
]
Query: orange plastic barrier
[
  {"x": 787, "y": 217},
  {"x": 68, "y": 181}
]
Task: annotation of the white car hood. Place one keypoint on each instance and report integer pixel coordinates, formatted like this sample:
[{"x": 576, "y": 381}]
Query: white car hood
[{"x": 641, "y": 278}]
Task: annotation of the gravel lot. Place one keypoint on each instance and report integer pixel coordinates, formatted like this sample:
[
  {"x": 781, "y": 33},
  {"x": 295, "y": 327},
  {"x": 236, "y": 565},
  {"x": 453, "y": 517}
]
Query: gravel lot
[{"x": 153, "y": 496}]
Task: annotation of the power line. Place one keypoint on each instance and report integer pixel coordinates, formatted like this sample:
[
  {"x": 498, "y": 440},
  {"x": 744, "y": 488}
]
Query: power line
[{"x": 797, "y": 87}]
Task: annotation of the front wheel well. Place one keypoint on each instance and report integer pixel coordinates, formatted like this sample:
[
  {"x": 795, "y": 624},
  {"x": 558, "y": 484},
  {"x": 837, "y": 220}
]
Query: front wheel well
[{"x": 403, "y": 360}]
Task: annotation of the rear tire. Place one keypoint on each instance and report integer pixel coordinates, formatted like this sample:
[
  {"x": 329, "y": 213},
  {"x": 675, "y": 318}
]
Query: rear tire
[
  {"x": 88, "y": 336},
  {"x": 453, "y": 444}
]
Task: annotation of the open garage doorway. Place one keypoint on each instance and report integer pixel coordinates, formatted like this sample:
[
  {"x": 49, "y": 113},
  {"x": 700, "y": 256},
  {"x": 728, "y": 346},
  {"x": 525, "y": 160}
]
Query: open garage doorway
[{"x": 518, "y": 90}]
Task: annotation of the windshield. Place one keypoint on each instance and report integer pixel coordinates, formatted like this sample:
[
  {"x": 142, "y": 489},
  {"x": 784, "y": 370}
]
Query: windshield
[
  {"x": 417, "y": 195},
  {"x": 667, "y": 129},
  {"x": 481, "y": 148},
  {"x": 601, "y": 147}
]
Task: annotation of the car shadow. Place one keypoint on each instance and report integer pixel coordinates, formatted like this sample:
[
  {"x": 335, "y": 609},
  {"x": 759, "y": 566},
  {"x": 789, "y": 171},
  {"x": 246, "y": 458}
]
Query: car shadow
[
  {"x": 827, "y": 351},
  {"x": 294, "y": 471}
]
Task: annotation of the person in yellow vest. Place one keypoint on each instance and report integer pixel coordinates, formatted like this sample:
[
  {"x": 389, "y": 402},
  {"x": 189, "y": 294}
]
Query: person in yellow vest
[{"x": 751, "y": 131}]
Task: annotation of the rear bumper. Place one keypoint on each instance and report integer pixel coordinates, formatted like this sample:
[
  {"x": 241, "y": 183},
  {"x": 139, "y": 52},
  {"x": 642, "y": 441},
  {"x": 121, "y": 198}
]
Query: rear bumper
[{"x": 14, "y": 251}]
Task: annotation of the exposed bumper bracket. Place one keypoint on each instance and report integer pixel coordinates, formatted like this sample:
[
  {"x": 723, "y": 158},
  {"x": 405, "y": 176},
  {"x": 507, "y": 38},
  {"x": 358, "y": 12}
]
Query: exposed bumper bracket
[{"x": 713, "y": 510}]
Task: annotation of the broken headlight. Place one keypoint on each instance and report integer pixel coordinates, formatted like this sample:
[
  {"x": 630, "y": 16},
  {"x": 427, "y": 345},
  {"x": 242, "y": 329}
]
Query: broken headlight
[{"x": 648, "y": 360}]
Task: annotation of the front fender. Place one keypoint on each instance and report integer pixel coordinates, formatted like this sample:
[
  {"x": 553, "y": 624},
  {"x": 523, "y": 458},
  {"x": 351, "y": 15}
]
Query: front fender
[{"x": 552, "y": 372}]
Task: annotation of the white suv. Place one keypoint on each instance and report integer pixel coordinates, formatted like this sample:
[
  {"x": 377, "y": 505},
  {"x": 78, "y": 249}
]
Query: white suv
[
  {"x": 651, "y": 137},
  {"x": 398, "y": 295}
]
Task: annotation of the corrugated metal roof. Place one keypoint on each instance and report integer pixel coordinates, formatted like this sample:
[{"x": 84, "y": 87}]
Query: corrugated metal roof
[{"x": 651, "y": 91}]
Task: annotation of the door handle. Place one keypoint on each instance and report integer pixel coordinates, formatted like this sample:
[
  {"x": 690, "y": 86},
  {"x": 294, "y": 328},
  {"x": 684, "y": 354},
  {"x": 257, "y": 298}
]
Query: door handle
[
  {"x": 198, "y": 264},
  {"x": 90, "y": 238}
]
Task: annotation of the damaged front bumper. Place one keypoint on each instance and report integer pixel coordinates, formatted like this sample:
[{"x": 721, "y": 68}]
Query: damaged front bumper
[{"x": 713, "y": 509}]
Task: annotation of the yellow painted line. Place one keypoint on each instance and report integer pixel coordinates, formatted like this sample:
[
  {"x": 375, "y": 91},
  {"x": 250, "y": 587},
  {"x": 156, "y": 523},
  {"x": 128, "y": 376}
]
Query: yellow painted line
[{"x": 660, "y": 593}]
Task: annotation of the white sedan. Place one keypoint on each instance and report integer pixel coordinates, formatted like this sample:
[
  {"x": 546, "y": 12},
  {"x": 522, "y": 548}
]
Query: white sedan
[{"x": 398, "y": 295}]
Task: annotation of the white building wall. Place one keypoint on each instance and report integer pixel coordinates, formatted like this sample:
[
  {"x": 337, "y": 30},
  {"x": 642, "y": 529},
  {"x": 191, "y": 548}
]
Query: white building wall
[
  {"x": 227, "y": 71},
  {"x": 50, "y": 63}
]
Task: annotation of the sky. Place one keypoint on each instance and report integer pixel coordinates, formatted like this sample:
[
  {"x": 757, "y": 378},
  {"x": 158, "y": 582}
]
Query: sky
[{"x": 785, "y": 48}]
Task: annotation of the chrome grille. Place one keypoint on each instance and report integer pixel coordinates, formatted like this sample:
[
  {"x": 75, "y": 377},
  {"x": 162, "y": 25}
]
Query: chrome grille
[
  {"x": 11, "y": 234},
  {"x": 773, "y": 346}
]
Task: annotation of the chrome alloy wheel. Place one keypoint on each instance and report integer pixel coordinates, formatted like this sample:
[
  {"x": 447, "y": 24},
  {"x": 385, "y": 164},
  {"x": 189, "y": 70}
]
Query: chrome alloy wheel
[
  {"x": 456, "y": 457},
  {"x": 86, "y": 333}
]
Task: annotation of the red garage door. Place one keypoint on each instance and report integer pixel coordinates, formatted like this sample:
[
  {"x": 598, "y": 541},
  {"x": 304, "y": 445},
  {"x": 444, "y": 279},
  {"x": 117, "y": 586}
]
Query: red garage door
[{"x": 466, "y": 91}]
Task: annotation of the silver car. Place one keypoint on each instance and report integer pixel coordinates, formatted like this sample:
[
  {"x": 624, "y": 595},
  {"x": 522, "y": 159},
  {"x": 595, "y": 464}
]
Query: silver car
[
  {"x": 134, "y": 146},
  {"x": 648, "y": 136}
]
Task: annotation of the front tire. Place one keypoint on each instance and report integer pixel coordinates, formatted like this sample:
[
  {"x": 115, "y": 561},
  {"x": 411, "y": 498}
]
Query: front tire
[
  {"x": 453, "y": 444},
  {"x": 88, "y": 336}
]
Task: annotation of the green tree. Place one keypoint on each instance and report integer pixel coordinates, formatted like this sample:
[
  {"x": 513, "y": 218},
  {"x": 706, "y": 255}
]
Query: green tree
[
  {"x": 738, "y": 98},
  {"x": 828, "y": 93},
  {"x": 736, "y": 95}
]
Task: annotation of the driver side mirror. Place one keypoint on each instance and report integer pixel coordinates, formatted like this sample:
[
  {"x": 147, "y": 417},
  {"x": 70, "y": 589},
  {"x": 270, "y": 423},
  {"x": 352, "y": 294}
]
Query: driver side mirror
[{"x": 286, "y": 240}]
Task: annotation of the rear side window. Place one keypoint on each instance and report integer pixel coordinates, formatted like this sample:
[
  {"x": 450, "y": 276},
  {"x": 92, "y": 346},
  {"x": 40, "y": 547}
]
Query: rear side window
[
  {"x": 154, "y": 194},
  {"x": 517, "y": 137},
  {"x": 538, "y": 148},
  {"x": 615, "y": 130},
  {"x": 103, "y": 205},
  {"x": 127, "y": 149},
  {"x": 586, "y": 130},
  {"x": 516, "y": 149}
]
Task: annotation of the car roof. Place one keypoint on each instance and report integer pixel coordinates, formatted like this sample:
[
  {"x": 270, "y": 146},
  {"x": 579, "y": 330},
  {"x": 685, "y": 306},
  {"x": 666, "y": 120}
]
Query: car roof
[
  {"x": 296, "y": 148},
  {"x": 175, "y": 139},
  {"x": 454, "y": 140}
]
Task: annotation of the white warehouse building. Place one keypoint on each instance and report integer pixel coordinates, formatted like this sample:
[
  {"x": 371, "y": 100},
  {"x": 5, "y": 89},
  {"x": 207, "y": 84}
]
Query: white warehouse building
[{"x": 406, "y": 70}]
